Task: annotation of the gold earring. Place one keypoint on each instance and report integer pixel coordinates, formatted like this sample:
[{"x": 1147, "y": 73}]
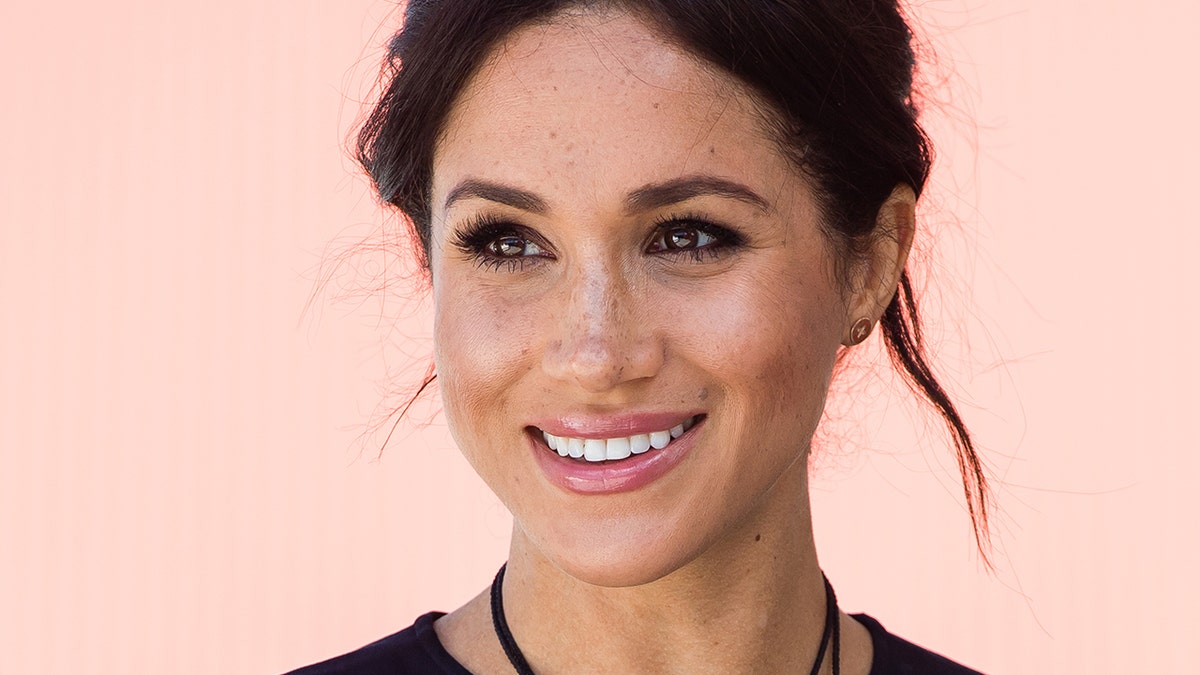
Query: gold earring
[{"x": 860, "y": 330}]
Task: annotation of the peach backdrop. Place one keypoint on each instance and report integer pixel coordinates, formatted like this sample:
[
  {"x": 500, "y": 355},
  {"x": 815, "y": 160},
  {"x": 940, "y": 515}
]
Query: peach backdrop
[{"x": 180, "y": 485}]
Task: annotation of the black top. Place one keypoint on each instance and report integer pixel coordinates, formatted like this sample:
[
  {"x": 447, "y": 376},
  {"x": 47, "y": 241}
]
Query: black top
[{"x": 417, "y": 650}]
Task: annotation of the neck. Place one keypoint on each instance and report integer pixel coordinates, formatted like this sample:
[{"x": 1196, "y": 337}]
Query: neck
[{"x": 752, "y": 602}]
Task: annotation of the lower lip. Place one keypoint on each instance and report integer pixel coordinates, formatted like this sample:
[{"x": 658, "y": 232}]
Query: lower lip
[{"x": 611, "y": 476}]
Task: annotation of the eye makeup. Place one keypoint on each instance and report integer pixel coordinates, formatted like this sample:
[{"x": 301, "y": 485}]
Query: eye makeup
[
  {"x": 703, "y": 239},
  {"x": 499, "y": 244}
]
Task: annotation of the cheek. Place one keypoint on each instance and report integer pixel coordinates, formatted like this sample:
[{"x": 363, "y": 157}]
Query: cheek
[
  {"x": 483, "y": 346},
  {"x": 772, "y": 340}
]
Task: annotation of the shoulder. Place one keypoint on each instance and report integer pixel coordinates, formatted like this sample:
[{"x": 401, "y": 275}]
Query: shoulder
[
  {"x": 897, "y": 656},
  {"x": 415, "y": 650}
]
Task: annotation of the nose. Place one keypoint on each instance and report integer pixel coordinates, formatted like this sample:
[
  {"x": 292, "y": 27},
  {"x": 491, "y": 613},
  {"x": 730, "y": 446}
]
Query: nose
[{"x": 605, "y": 334}]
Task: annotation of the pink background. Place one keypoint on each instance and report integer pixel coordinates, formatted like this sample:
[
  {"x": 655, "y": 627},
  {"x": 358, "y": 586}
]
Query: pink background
[{"x": 180, "y": 485}]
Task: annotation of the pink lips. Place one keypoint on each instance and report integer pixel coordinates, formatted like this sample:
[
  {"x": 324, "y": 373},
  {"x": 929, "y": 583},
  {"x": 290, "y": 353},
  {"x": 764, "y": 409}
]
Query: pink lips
[{"x": 624, "y": 475}]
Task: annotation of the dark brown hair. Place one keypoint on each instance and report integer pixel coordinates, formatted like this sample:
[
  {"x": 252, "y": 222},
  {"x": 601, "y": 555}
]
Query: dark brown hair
[{"x": 837, "y": 76}]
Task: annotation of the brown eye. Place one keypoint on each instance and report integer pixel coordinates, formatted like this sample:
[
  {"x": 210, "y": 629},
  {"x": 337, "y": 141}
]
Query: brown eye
[
  {"x": 494, "y": 243},
  {"x": 507, "y": 247},
  {"x": 681, "y": 237}
]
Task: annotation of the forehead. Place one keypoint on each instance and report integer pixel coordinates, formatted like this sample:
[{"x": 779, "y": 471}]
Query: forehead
[{"x": 602, "y": 103}]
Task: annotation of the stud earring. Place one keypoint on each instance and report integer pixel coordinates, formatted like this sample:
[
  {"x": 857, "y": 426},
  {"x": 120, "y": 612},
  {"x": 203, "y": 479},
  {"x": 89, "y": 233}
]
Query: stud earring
[{"x": 860, "y": 330}]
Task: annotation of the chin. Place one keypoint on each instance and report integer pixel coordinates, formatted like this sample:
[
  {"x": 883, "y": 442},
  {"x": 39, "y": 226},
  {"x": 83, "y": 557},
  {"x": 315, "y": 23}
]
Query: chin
[
  {"x": 624, "y": 572},
  {"x": 620, "y": 553}
]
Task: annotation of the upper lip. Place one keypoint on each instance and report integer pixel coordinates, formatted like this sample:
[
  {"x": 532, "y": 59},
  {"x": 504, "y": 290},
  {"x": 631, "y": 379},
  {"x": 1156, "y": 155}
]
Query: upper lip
[{"x": 590, "y": 425}]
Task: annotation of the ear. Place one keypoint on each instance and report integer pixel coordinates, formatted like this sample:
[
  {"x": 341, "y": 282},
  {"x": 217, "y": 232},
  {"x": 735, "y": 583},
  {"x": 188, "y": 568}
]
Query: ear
[{"x": 878, "y": 274}]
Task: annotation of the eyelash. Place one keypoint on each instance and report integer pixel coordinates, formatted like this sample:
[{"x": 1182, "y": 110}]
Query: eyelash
[
  {"x": 723, "y": 238},
  {"x": 475, "y": 238}
]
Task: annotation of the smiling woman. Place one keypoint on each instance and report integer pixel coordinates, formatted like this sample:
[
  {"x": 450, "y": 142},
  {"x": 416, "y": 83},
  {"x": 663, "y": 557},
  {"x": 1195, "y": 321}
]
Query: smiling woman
[{"x": 652, "y": 229}]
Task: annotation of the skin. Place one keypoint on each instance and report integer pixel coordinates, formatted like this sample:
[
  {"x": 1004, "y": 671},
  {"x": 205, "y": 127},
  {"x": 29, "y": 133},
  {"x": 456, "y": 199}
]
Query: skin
[{"x": 711, "y": 568}]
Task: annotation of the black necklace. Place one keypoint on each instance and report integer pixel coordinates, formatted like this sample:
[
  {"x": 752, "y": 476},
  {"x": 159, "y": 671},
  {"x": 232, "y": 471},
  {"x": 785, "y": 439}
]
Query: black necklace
[{"x": 831, "y": 633}]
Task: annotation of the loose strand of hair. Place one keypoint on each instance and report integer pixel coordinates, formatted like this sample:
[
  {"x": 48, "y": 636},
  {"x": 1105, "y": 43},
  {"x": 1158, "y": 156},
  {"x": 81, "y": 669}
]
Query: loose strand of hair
[{"x": 901, "y": 328}]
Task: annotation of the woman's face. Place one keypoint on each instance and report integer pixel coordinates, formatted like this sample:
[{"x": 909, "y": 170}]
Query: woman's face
[{"x": 619, "y": 248}]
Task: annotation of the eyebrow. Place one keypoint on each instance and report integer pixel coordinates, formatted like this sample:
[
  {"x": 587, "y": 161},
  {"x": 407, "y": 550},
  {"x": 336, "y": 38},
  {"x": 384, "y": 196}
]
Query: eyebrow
[
  {"x": 646, "y": 198},
  {"x": 495, "y": 192},
  {"x": 658, "y": 195}
]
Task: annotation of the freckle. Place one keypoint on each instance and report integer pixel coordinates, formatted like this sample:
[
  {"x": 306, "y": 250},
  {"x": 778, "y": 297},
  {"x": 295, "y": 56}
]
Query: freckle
[{"x": 712, "y": 150}]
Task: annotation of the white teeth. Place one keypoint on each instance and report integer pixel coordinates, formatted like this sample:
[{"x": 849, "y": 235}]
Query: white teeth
[
  {"x": 617, "y": 448},
  {"x": 556, "y": 443},
  {"x": 601, "y": 449},
  {"x": 595, "y": 449},
  {"x": 639, "y": 444}
]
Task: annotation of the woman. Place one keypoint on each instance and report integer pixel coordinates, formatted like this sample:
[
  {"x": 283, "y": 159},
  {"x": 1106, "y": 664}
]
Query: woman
[{"x": 652, "y": 229}]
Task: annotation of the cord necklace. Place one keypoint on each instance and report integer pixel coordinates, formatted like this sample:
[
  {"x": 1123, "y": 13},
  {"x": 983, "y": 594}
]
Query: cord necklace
[{"x": 831, "y": 632}]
